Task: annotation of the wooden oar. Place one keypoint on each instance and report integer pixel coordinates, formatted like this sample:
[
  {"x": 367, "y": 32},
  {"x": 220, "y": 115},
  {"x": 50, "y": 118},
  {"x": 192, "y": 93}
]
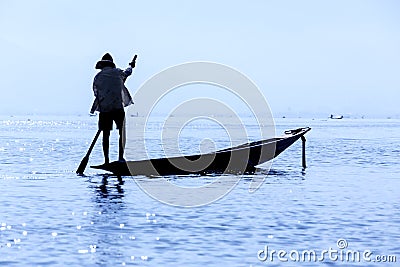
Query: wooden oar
[{"x": 85, "y": 160}]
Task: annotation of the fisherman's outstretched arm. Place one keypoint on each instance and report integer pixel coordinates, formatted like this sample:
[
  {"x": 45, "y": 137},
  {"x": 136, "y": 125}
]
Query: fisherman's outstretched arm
[{"x": 127, "y": 72}]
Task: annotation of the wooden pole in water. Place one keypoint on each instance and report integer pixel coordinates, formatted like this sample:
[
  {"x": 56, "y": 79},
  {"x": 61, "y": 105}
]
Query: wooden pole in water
[{"x": 303, "y": 158}]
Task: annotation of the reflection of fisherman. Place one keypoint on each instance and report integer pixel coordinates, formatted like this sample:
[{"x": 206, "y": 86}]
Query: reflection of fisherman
[{"x": 111, "y": 98}]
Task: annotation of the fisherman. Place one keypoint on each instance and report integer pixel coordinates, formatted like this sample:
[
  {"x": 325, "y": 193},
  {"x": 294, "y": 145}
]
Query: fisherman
[{"x": 111, "y": 96}]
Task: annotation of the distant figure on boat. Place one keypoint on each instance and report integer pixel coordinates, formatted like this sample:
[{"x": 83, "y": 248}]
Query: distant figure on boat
[
  {"x": 111, "y": 96},
  {"x": 336, "y": 117}
]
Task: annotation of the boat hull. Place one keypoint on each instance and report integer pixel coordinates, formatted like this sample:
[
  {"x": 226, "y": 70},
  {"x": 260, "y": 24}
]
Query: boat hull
[{"x": 236, "y": 160}]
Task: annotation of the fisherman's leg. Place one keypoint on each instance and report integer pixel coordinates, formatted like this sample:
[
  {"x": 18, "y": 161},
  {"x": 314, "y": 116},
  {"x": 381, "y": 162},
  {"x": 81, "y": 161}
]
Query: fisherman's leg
[
  {"x": 106, "y": 145},
  {"x": 122, "y": 142},
  {"x": 105, "y": 124},
  {"x": 120, "y": 121}
]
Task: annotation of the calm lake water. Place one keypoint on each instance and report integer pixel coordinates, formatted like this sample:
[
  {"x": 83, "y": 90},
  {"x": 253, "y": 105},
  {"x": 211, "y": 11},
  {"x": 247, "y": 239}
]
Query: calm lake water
[{"x": 51, "y": 217}]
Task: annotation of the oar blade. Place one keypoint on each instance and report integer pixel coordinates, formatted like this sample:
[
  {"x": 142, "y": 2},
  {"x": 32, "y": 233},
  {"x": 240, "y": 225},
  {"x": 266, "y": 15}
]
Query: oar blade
[
  {"x": 83, "y": 165},
  {"x": 85, "y": 160}
]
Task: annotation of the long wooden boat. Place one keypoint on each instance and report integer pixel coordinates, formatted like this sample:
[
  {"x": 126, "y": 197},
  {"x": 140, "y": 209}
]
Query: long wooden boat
[{"x": 238, "y": 160}]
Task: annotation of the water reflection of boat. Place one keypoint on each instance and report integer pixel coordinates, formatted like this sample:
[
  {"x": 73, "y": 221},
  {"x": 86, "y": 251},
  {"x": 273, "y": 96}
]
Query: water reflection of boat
[{"x": 239, "y": 159}]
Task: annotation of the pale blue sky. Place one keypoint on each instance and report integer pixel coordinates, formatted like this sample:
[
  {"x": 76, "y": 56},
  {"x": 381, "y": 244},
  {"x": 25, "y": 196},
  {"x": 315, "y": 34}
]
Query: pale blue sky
[{"x": 306, "y": 56}]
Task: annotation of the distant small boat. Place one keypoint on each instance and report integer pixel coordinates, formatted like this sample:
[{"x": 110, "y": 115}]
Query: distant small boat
[
  {"x": 336, "y": 117},
  {"x": 135, "y": 115},
  {"x": 240, "y": 159}
]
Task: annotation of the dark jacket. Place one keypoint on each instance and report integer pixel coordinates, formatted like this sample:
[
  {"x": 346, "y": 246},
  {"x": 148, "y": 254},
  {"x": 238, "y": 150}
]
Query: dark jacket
[{"x": 110, "y": 91}]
